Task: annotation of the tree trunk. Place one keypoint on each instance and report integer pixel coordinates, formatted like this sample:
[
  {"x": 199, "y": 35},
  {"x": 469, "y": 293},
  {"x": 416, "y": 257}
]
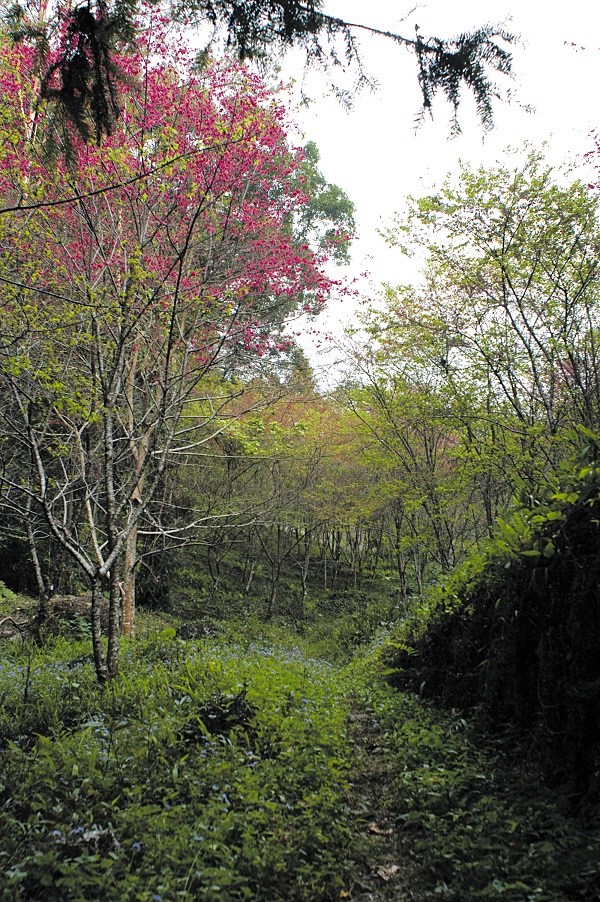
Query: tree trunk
[
  {"x": 304, "y": 579},
  {"x": 43, "y": 593},
  {"x": 129, "y": 583},
  {"x": 114, "y": 609},
  {"x": 99, "y": 659},
  {"x": 401, "y": 561},
  {"x": 272, "y": 597},
  {"x": 250, "y": 577},
  {"x": 419, "y": 567}
]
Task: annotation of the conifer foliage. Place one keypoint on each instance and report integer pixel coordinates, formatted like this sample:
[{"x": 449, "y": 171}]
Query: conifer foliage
[{"x": 83, "y": 76}]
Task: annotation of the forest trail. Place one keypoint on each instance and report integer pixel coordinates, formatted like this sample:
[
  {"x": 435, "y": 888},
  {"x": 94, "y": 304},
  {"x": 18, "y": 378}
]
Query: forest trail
[{"x": 385, "y": 870}]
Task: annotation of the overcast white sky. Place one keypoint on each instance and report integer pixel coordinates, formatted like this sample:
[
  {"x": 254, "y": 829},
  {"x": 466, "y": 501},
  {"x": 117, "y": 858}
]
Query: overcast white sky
[{"x": 376, "y": 155}]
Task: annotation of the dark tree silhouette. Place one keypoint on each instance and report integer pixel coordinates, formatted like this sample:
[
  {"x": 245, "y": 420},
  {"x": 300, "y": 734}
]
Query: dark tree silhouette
[{"x": 82, "y": 79}]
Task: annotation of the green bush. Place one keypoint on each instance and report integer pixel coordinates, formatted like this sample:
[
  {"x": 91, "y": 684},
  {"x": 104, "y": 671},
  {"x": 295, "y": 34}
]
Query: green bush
[{"x": 470, "y": 813}]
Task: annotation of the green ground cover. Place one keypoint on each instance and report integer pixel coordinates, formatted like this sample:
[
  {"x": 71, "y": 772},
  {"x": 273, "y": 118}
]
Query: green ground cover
[
  {"x": 469, "y": 812},
  {"x": 223, "y": 769},
  {"x": 205, "y": 770}
]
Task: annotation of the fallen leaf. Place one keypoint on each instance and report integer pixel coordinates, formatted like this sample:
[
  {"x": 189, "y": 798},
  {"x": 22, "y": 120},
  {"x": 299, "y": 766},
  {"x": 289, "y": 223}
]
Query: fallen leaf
[
  {"x": 373, "y": 828},
  {"x": 386, "y": 873}
]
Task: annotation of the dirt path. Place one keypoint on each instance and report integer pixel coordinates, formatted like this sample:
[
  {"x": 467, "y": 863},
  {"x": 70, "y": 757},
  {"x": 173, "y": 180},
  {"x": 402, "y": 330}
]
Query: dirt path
[{"x": 385, "y": 869}]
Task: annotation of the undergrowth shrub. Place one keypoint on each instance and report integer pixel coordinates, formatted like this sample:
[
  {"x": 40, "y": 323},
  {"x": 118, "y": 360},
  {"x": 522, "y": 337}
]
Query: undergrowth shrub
[
  {"x": 6, "y": 593},
  {"x": 516, "y": 629}
]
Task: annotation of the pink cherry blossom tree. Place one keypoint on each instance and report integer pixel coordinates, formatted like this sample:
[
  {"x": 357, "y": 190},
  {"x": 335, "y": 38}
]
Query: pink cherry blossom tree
[{"x": 134, "y": 287}]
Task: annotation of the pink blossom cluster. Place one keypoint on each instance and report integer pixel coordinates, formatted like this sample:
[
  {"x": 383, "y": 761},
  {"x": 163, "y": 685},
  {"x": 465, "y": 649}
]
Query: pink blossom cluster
[{"x": 181, "y": 219}]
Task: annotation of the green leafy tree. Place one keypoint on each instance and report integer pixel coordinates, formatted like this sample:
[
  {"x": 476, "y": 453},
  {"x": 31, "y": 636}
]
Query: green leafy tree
[
  {"x": 469, "y": 383},
  {"x": 410, "y": 439},
  {"x": 327, "y": 219},
  {"x": 506, "y": 316}
]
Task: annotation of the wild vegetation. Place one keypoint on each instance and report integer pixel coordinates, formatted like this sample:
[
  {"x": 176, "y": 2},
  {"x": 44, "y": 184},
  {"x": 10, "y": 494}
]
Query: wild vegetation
[
  {"x": 247, "y": 767},
  {"x": 514, "y": 631},
  {"x": 206, "y": 771},
  {"x": 260, "y": 641}
]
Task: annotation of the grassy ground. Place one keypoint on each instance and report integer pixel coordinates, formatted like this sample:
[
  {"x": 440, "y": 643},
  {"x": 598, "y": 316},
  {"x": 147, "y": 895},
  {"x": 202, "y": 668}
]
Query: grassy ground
[{"x": 245, "y": 767}]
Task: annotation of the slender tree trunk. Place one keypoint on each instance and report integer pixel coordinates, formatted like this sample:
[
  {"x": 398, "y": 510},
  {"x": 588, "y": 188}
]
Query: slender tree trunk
[
  {"x": 114, "y": 609},
  {"x": 139, "y": 453},
  {"x": 419, "y": 569},
  {"x": 304, "y": 578},
  {"x": 378, "y": 544},
  {"x": 39, "y": 576},
  {"x": 99, "y": 660},
  {"x": 250, "y": 577},
  {"x": 273, "y": 594},
  {"x": 401, "y": 562},
  {"x": 42, "y": 610},
  {"x": 128, "y": 624},
  {"x": 214, "y": 566}
]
